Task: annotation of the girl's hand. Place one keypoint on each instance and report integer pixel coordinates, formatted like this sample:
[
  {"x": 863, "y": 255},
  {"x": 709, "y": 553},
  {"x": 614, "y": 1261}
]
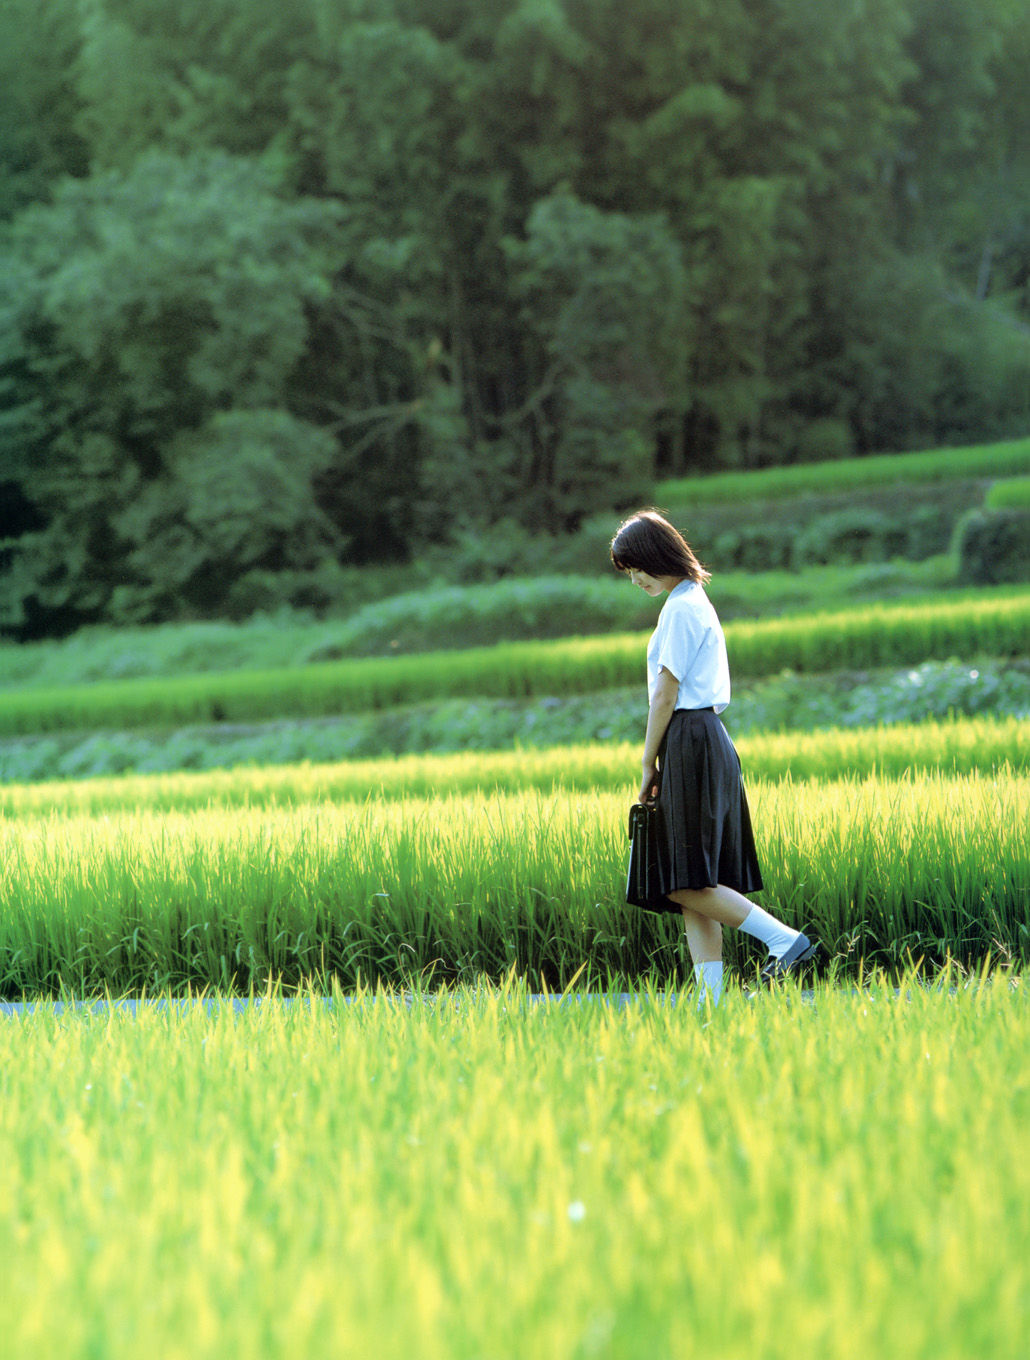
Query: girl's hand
[{"x": 649, "y": 784}]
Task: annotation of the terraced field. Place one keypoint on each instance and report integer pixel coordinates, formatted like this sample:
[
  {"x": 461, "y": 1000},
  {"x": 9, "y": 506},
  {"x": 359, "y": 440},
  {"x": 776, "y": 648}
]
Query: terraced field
[{"x": 410, "y": 1159}]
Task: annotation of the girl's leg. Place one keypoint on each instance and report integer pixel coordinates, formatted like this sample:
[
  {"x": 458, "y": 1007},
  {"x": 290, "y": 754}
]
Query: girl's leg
[
  {"x": 722, "y": 904},
  {"x": 732, "y": 908},
  {"x": 704, "y": 939},
  {"x": 704, "y": 936}
]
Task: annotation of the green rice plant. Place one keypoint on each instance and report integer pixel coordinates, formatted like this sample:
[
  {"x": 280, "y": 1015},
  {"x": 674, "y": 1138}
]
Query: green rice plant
[
  {"x": 931, "y": 691},
  {"x": 455, "y": 616},
  {"x": 1012, "y": 493},
  {"x": 513, "y": 670},
  {"x": 954, "y": 747},
  {"x": 466, "y": 886},
  {"x": 484, "y": 1176},
  {"x": 429, "y": 618},
  {"x": 881, "y": 635},
  {"x": 1008, "y": 458},
  {"x": 996, "y": 624},
  {"x": 964, "y": 746}
]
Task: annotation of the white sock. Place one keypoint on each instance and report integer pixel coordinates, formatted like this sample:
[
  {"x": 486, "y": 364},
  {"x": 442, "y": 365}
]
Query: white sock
[
  {"x": 709, "y": 983},
  {"x": 774, "y": 934}
]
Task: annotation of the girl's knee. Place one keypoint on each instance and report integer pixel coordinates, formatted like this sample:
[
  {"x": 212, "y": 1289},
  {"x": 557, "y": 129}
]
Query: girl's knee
[
  {"x": 688, "y": 912},
  {"x": 692, "y": 899}
]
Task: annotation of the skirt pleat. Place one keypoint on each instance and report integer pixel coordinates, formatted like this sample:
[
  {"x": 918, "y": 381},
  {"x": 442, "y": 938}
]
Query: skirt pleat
[{"x": 703, "y": 831}]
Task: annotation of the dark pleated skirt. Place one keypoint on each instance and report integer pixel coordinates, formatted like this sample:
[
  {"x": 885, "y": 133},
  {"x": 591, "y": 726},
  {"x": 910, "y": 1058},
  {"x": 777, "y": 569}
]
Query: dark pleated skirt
[{"x": 703, "y": 827}]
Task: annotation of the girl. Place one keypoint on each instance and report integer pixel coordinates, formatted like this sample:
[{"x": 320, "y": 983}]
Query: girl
[{"x": 706, "y": 850}]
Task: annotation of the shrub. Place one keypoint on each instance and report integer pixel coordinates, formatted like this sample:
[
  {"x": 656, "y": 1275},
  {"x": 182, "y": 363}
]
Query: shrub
[
  {"x": 993, "y": 546},
  {"x": 856, "y": 535},
  {"x": 515, "y": 608},
  {"x": 912, "y": 521},
  {"x": 757, "y": 548}
]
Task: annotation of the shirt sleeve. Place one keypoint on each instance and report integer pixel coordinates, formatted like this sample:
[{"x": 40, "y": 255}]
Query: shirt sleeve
[{"x": 680, "y": 637}]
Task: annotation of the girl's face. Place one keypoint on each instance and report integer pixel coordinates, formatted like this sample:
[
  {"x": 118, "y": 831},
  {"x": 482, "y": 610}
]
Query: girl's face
[{"x": 650, "y": 585}]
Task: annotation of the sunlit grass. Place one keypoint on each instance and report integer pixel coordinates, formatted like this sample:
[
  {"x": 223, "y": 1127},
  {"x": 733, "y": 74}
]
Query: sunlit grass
[
  {"x": 592, "y": 599},
  {"x": 459, "y": 886},
  {"x": 483, "y": 1177},
  {"x": 962, "y": 746}
]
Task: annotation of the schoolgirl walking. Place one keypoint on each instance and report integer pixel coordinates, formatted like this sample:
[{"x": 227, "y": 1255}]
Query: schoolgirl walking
[{"x": 705, "y": 848}]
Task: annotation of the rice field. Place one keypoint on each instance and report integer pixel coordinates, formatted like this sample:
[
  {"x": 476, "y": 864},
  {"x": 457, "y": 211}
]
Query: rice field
[
  {"x": 1008, "y": 458},
  {"x": 876, "y": 635},
  {"x": 484, "y": 1178},
  {"x": 462, "y": 888},
  {"x": 895, "y": 750},
  {"x": 412, "y": 1157}
]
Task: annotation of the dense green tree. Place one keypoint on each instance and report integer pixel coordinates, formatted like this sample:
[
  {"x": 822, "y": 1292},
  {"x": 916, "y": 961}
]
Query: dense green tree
[
  {"x": 964, "y": 189},
  {"x": 143, "y": 306},
  {"x": 184, "y": 74},
  {"x": 39, "y": 140},
  {"x": 761, "y": 129},
  {"x": 414, "y": 267},
  {"x": 235, "y": 503},
  {"x": 374, "y": 115},
  {"x": 605, "y": 295}
]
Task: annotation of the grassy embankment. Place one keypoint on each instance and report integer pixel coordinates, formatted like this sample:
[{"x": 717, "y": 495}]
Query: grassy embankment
[{"x": 1008, "y": 458}]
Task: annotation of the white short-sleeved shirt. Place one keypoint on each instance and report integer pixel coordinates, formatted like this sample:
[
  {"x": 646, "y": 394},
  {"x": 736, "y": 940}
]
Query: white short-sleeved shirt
[{"x": 689, "y": 643}]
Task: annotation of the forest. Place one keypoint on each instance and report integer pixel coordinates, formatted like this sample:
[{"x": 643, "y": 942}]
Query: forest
[{"x": 294, "y": 286}]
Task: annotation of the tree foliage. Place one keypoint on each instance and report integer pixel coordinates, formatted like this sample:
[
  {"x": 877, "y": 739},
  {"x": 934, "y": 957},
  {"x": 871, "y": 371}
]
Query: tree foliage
[
  {"x": 155, "y": 322},
  {"x": 290, "y": 283}
]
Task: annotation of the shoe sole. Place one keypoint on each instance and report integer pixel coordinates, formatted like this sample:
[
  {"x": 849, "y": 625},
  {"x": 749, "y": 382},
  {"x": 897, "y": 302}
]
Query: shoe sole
[{"x": 809, "y": 956}]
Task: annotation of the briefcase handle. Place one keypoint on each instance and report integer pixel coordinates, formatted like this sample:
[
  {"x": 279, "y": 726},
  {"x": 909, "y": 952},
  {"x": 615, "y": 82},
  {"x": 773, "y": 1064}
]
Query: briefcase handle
[{"x": 639, "y": 815}]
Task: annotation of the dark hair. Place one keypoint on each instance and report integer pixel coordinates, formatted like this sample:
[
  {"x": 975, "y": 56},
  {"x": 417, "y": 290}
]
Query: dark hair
[{"x": 648, "y": 542}]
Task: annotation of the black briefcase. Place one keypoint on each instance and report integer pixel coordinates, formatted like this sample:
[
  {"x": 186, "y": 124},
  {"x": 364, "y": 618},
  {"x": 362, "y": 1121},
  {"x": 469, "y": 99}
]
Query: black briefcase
[{"x": 642, "y": 884}]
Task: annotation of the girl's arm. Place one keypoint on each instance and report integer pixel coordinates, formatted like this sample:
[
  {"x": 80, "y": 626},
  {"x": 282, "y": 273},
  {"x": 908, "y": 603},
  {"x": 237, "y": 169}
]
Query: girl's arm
[{"x": 663, "y": 702}]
